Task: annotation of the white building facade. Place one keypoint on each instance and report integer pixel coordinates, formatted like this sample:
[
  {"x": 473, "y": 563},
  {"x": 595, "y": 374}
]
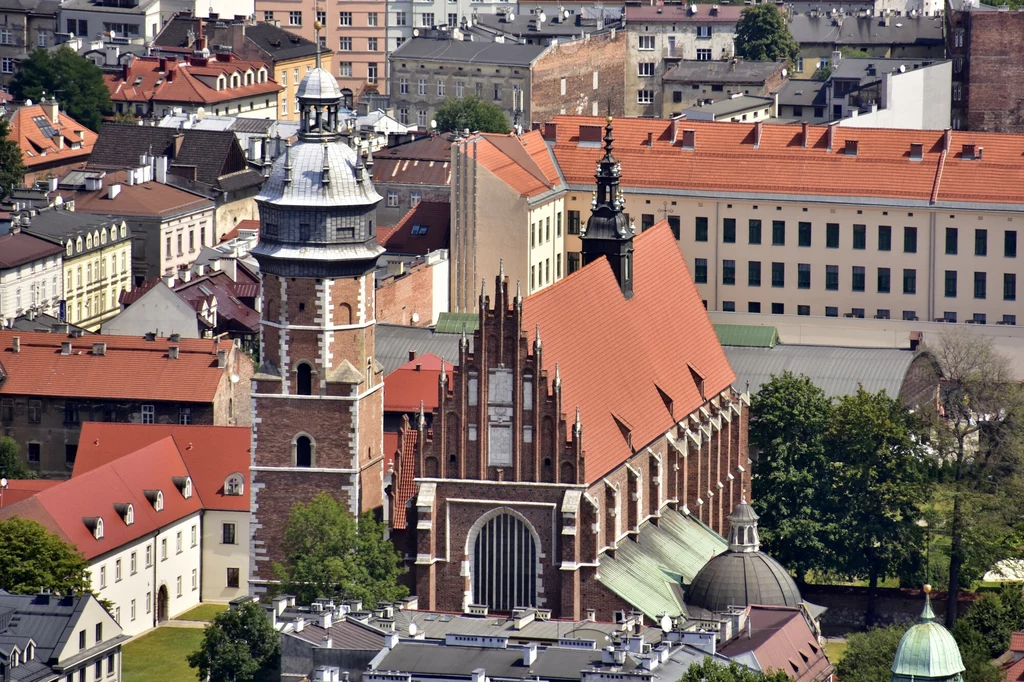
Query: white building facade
[{"x": 30, "y": 275}]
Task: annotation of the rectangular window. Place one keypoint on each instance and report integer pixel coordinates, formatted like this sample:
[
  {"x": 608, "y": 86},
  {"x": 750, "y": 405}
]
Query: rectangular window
[
  {"x": 832, "y": 236},
  {"x": 421, "y": 87},
  {"x": 148, "y": 414},
  {"x": 884, "y": 238},
  {"x": 460, "y": 89},
  {"x": 884, "y": 278},
  {"x": 1009, "y": 319},
  {"x": 778, "y": 233},
  {"x": 909, "y": 240},
  {"x": 1009, "y": 286},
  {"x": 857, "y": 283},
  {"x": 832, "y": 277},
  {"x": 729, "y": 306},
  {"x": 344, "y": 18},
  {"x": 558, "y": 224},
  {"x": 729, "y": 230},
  {"x": 1010, "y": 244},
  {"x": 400, "y": 19},
  {"x": 645, "y": 96},
  {"x": 754, "y": 307},
  {"x": 295, "y": 18},
  {"x": 645, "y": 69},
  {"x": 645, "y": 43},
  {"x": 573, "y": 226},
  {"x": 177, "y": 542},
  {"x": 860, "y": 237},
  {"x": 728, "y": 272},
  {"x": 910, "y": 281},
  {"x": 35, "y": 411},
  {"x": 754, "y": 231},
  {"x": 103, "y": 577},
  {"x": 149, "y": 602},
  {"x": 754, "y": 273},
  {"x": 440, "y": 88},
  {"x": 34, "y": 452},
  {"x": 149, "y": 556},
  {"x": 195, "y": 579},
  {"x": 371, "y": 19},
  {"x": 345, "y": 44},
  {"x": 831, "y": 311},
  {"x": 117, "y": 571},
  {"x": 950, "y": 288},
  {"x": 980, "y": 285},
  {"x": 232, "y": 577},
  {"x": 163, "y": 549},
  {"x": 414, "y": 199},
  {"x": 803, "y": 310},
  {"x": 646, "y": 221},
  {"x": 185, "y": 415},
  {"x": 700, "y": 270},
  {"x": 497, "y": 92},
  {"x": 427, "y": 19},
  {"x": 803, "y": 276},
  {"x": 674, "y": 225},
  {"x": 704, "y": 31},
  {"x": 981, "y": 242},
  {"x": 704, "y": 55},
  {"x": 778, "y": 308},
  {"x": 778, "y": 275},
  {"x": 701, "y": 229},
  {"x": 133, "y": 563},
  {"x": 371, "y": 68},
  {"x": 110, "y": 665},
  {"x": 193, "y": 535},
  {"x": 952, "y": 239},
  {"x": 228, "y": 534},
  {"x": 803, "y": 234},
  {"x": 178, "y": 585}
]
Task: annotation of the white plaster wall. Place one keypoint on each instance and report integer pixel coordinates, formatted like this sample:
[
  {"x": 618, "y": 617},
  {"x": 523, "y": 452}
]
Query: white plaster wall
[
  {"x": 440, "y": 273},
  {"x": 919, "y": 99},
  {"x": 33, "y": 279},
  {"x": 218, "y": 557},
  {"x": 544, "y": 249}
]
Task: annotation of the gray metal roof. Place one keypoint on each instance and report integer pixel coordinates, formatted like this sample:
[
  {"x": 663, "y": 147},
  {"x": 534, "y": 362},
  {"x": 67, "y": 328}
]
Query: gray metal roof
[
  {"x": 741, "y": 579},
  {"x": 732, "y": 105},
  {"x": 319, "y": 84},
  {"x": 306, "y": 188},
  {"x": 62, "y": 225},
  {"x": 858, "y": 68},
  {"x": 468, "y": 51},
  {"x": 803, "y": 93},
  {"x": 866, "y": 30},
  {"x": 835, "y": 370},
  {"x": 393, "y": 343},
  {"x": 723, "y": 72}
]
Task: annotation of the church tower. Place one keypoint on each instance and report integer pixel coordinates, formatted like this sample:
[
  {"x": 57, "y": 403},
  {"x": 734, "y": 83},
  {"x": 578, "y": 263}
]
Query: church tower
[
  {"x": 608, "y": 231},
  {"x": 318, "y": 396}
]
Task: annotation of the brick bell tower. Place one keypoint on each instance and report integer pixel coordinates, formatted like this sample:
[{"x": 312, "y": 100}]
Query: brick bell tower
[{"x": 318, "y": 395}]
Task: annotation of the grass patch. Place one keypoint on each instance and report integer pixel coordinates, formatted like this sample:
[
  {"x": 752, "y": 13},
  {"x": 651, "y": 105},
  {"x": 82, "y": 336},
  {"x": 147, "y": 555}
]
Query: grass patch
[
  {"x": 835, "y": 650},
  {"x": 159, "y": 656},
  {"x": 204, "y": 612}
]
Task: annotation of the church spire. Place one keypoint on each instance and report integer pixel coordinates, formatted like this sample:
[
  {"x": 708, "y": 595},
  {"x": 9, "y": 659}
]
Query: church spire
[
  {"x": 608, "y": 233},
  {"x": 743, "y": 528}
]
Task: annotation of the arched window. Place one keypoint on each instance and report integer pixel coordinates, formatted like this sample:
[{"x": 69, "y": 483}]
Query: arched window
[
  {"x": 303, "y": 451},
  {"x": 129, "y": 515},
  {"x": 505, "y": 563},
  {"x": 304, "y": 379},
  {"x": 234, "y": 485}
]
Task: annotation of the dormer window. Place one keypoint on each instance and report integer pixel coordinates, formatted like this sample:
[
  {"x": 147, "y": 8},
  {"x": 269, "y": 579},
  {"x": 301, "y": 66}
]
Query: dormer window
[
  {"x": 95, "y": 526},
  {"x": 96, "y": 238},
  {"x": 156, "y": 498},
  {"x": 184, "y": 485},
  {"x": 234, "y": 484},
  {"x": 221, "y": 82},
  {"x": 124, "y": 231},
  {"x": 70, "y": 248},
  {"x": 127, "y": 512},
  {"x": 78, "y": 245},
  {"x": 88, "y": 241},
  {"x": 113, "y": 233},
  {"x": 103, "y": 237}
]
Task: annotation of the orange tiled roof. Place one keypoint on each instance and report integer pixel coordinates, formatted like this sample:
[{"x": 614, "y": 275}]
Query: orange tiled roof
[
  {"x": 414, "y": 381},
  {"x": 507, "y": 157},
  {"x": 771, "y": 159},
  {"x": 19, "y": 489},
  {"x": 1017, "y": 641},
  {"x": 781, "y": 639},
  {"x": 406, "y": 488},
  {"x": 131, "y": 368},
  {"x": 148, "y": 199},
  {"x": 40, "y": 139},
  {"x": 635, "y": 350},
  {"x": 210, "y": 453},
  {"x": 435, "y": 216},
  {"x": 165, "y": 80}
]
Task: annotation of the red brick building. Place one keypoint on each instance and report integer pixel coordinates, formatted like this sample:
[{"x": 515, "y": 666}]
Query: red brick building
[{"x": 580, "y": 423}]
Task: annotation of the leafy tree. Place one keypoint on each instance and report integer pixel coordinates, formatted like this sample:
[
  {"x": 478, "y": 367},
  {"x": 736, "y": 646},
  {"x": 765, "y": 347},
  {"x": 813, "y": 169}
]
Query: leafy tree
[
  {"x": 869, "y": 655},
  {"x": 31, "y": 558},
  {"x": 12, "y": 166},
  {"x": 75, "y": 81},
  {"x": 470, "y": 113},
  {"x": 11, "y": 465},
  {"x": 979, "y": 434},
  {"x": 992, "y": 619},
  {"x": 240, "y": 645},
  {"x": 710, "y": 670},
  {"x": 330, "y": 554},
  {"x": 880, "y": 481},
  {"x": 789, "y": 419},
  {"x": 763, "y": 35}
]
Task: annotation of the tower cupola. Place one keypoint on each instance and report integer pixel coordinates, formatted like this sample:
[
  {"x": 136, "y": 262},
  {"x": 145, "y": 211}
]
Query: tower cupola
[{"x": 608, "y": 232}]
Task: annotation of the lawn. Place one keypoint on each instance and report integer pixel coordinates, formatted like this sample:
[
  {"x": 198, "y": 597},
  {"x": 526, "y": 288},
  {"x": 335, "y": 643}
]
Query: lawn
[
  {"x": 204, "y": 612},
  {"x": 835, "y": 649},
  {"x": 160, "y": 655}
]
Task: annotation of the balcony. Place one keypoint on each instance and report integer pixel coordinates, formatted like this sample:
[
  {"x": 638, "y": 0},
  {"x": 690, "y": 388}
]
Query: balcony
[{"x": 672, "y": 52}]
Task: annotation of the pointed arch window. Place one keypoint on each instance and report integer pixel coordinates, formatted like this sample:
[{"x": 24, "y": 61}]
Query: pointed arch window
[{"x": 505, "y": 563}]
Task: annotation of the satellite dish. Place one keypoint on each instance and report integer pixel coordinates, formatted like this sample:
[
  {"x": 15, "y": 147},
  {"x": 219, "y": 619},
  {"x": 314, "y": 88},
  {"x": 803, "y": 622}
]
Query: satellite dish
[
  {"x": 903, "y": 68},
  {"x": 666, "y": 623},
  {"x": 200, "y": 112},
  {"x": 415, "y": 33},
  {"x": 413, "y": 629},
  {"x": 234, "y": 378},
  {"x": 433, "y": 124},
  {"x": 565, "y": 14},
  {"x": 3, "y": 482},
  {"x": 28, "y": 103},
  {"x": 785, "y": 72},
  {"x": 543, "y": 17},
  {"x": 693, "y": 9},
  {"x": 511, "y": 16}
]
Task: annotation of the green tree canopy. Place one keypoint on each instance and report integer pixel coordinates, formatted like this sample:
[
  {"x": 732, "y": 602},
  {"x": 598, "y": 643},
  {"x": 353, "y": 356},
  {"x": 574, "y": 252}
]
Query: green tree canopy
[
  {"x": 32, "y": 557},
  {"x": 789, "y": 419},
  {"x": 330, "y": 554},
  {"x": 709, "y": 670},
  {"x": 73, "y": 80},
  {"x": 869, "y": 655},
  {"x": 11, "y": 465},
  {"x": 240, "y": 645},
  {"x": 994, "y": 618},
  {"x": 763, "y": 35},
  {"x": 470, "y": 113},
  {"x": 12, "y": 166}
]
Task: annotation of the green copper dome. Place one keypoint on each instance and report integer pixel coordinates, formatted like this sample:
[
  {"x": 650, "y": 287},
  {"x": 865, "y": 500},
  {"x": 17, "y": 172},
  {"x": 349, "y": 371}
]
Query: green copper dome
[{"x": 927, "y": 652}]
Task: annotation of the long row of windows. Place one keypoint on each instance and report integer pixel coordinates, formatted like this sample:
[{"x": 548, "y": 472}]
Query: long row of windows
[{"x": 879, "y": 314}]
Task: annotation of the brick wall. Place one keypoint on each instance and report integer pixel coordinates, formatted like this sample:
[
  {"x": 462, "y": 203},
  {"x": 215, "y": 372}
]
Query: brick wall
[
  {"x": 994, "y": 73},
  {"x": 398, "y": 298},
  {"x": 576, "y": 62}
]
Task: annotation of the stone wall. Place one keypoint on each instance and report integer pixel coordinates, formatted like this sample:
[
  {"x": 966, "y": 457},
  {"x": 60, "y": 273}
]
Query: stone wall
[
  {"x": 581, "y": 77},
  {"x": 847, "y": 606}
]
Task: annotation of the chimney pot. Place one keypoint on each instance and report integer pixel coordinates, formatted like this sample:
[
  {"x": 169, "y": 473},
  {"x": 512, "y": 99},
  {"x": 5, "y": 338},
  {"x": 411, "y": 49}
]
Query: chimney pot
[
  {"x": 412, "y": 355},
  {"x": 65, "y": 348},
  {"x": 172, "y": 352},
  {"x": 222, "y": 359},
  {"x": 16, "y": 344},
  {"x": 805, "y": 126}
]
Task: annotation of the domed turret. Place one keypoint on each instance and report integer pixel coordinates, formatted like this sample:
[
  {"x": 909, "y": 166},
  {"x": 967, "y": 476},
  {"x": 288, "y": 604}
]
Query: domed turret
[
  {"x": 927, "y": 651},
  {"x": 742, "y": 575}
]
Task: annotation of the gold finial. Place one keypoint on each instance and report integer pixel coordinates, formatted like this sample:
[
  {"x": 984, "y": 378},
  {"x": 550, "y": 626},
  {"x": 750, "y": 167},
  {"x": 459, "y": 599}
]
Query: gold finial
[
  {"x": 317, "y": 26},
  {"x": 927, "y": 589},
  {"x": 608, "y": 120}
]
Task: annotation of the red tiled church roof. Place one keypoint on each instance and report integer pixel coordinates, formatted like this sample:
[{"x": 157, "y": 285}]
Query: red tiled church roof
[
  {"x": 165, "y": 80},
  {"x": 414, "y": 381},
  {"x": 19, "y": 489},
  {"x": 618, "y": 357}
]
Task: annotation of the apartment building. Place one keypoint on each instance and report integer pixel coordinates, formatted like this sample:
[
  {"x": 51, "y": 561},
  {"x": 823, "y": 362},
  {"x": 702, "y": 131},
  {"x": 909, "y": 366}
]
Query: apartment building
[
  {"x": 23, "y": 27},
  {"x": 908, "y": 224},
  {"x": 30, "y": 274}
]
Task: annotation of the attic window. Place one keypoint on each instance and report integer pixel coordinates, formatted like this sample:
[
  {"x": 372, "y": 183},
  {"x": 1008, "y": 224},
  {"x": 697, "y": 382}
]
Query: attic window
[
  {"x": 126, "y": 512},
  {"x": 698, "y": 380},
  {"x": 968, "y": 152},
  {"x": 234, "y": 485},
  {"x": 156, "y": 498},
  {"x": 183, "y": 484},
  {"x": 95, "y": 526},
  {"x": 916, "y": 151},
  {"x": 419, "y": 230},
  {"x": 851, "y": 147},
  {"x": 689, "y": 139}
]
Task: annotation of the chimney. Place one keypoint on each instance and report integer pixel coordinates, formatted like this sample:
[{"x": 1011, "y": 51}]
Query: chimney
[
  {"x": 689, "y": 139},
  {"x": 391, "y": 640},
  {"x": 185, "y": 275},
  {"x": 172, "y": 352},
  {"x": 113, "y": 191},
  {"x": 65, "y": 348},
  {"x": 805, "y": 126},
  {"x": 650, "y": 139},
  {"x": 99, "y": 349},
  {"x": 758, "y": 131},
  {"x": 916, "y": 338},
  {"x": 325, "y": 619},
  {"x": 529, "y": 653},
  {"x": 479, "y": 675},
  {"x": 168, "y": 279},
  {"x": 831, "y": 137},
  {"x": 947, "y": 140},
  {"x": 591, "y": 615},
  {"x": 51, "y": 109},
  {"x": 16, "y": 344},
  {"x": 412, "y": 355},
  {"x": 222, "y": 359},
  {"x": 126, "y": 71}
]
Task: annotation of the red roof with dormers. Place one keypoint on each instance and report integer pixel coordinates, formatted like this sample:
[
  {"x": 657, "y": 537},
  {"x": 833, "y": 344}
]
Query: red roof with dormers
[
  {"x": 414, "y": 381},
  {"x": 193, "y": 81},
  {"x": 210, "y": 453},
  {"x": 616, "y": 356},
  {"x": 40, "y": 138},
  {"x": 425, "y": 228},
  {"x": 771, "y": 159},
  {"x": 19, "y": 489},
  {"x": 131, "y": 368},
  {"x": 64, "y": 508}
]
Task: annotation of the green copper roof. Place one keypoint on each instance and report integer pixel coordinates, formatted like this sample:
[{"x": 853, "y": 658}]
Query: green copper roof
[
  {"x": 650, "y": 572},
  {"x": 452, "y": 323},
  {"x": 927, "y": 652},
  {"x": 756, "y": 336}
]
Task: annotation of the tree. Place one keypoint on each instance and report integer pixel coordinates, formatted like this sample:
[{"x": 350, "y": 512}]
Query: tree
[
  {"x": 12, "y": 166},
  {"x": 470, "y": 113},
  {"x": 869, "y": 655},
  {"x": 992, "y": 619},
  {"x": 978, "y": 433},
  {"x": 880, "y": 480},
  {"x": 75, "y": 81},
  {"x": 240, "y": 645},
  {"x": 31, "y": 558},
  {"x": 789, "y": 419},
  {"x": 710, "y": 670},
  {"x": 11, "y": 465},
  {"x": 763, "y": 35},
  {"x": 330, "y": 554}
]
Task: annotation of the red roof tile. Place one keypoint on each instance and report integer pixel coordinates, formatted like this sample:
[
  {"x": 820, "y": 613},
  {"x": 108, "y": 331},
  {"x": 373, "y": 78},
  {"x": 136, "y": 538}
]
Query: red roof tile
[
  {"x": 147, "y": 199},
  {"x": 435, "y": 216},
  {"x": 406, "y": 483},
  {"x": 210, "y": 453},
  {"x": 38, "y": 147},
  {"x": 506, "y": 157},
  {"x": 163, "y": 80},
  {"x": 391, "y": 446},
  {"x": 414, "y": 381},
  {"x": 781, "y": 639},
  {"x": 131, "y": 368},
  {"x": 1017, "y": 641},
  {"x": 780, "y": 164},
  {"x": 19, "y": 489},
  {"x": 635, "y": 349},
  {"x": 234, "y": 232}
]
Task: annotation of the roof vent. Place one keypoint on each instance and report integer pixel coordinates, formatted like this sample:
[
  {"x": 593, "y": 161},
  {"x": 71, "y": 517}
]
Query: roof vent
[
  {"x": 968, "y": 152},
  {"x": 99, "y": 349},
  {"x": 689, "y": 139},
  {"x": 150, "y": 336},
  {"x": 65, "y": 348},
  {"x": 916, "y": 151},
  {"x": 16, "y": 344},
  {"x": 222, "y": 359},
  {"x": 172, "y": 352},
  {"x": 851, "y": 147},
  {"x": 174, "y": 338}
]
